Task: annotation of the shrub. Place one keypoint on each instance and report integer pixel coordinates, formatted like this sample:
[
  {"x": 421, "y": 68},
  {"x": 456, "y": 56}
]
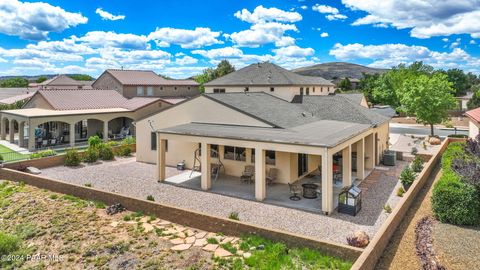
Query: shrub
[
  {"x": 129, "y": 140},
  {"x": 106, "y": 153},
  {"x": 8, "y": 243},
  {"x": 400, "y": 191},
  {"x": 407, "y": 177},
  {"x": 454, "y": 150},
  {"x": 417, "y": 164},
  {"x": 91, "y": 155},
  {"x": 72, "y": 158},
  {"x": 414, "y": 151},
  {"x": 387, "y": 208},
  {"x": 234, "y": 216},
  {"x": 123, "y": 151},
  {"x": 113, "y": 143},
  {"x": 94, "y": 141},
  {"x": 455, "y": 202},
  {"x": 88, "y": 184},
  {"x": 1, "y": 158},
  {"x": 44, "y": 153},
  {"x": 457, "y": 136},
  {"x": 150, "y": 198}
]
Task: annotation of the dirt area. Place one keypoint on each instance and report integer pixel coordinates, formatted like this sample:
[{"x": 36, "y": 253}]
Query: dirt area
[{"x": 455, "y": 121}]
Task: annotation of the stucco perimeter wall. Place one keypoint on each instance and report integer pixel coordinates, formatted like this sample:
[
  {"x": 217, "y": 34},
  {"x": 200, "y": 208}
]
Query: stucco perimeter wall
[
  {"x": 374, "y": 250},
  {"x": 182, "y": 216},
  {"x": 474, "y": 129},
  {"x": 283, "y": 92}
]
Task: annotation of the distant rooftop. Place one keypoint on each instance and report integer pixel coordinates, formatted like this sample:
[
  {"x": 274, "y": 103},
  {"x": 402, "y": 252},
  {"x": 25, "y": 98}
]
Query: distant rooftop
[
  {"x": 145, "y": 77},
  {"x": 474, "y": 114}
]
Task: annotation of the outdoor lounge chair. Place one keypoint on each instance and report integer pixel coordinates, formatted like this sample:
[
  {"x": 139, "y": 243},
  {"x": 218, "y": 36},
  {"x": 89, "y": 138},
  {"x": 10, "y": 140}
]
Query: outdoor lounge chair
[
  {"x": 295, "y": 191},
  {"x": 272, "y": 175},
  {"x": 248, "y": 174}
]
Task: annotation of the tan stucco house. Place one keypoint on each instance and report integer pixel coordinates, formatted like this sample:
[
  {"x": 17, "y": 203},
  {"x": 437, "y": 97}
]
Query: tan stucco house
[
  {"x": 474, "y": 123},
  {"x": 332, "y": 134},
  {"x": 56, "y": 117},
  {"x": 272, "y": 79},
  {"x": 62, "y": 82},
  {"x": 144, "y": 83}
]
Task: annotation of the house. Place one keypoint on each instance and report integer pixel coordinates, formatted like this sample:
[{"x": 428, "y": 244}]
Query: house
[
  {"x": 139, "y": 83},
  {"x": 463, "y": 100},
  {"x": 12, "y": 95},
  {"x": 331, "y": 134},
  {"x": 474, "y": 123},
  {"x": 68, "y": 117},
  {"x": 63, "y": 82},
  {"x": 272, "y": 79}
]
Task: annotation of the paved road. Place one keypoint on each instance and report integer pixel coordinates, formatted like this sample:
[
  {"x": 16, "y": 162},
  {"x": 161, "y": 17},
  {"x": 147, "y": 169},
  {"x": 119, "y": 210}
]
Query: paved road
[{"x": 417, "y": 130}]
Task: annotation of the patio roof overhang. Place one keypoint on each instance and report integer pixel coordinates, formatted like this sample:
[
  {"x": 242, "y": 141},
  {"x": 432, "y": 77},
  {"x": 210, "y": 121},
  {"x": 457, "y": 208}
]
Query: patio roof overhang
[{"x": 37, "y": 112}]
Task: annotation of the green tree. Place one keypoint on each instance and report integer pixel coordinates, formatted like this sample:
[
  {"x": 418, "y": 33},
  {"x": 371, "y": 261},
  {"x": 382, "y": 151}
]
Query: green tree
[
  {"x": 81, "y": 77},
  {"x": 41, "y": 79},
  {"x": 345, "y": 84},
  {"x": 428, "y": 98},
  {"x": 14, "y": 82},
  {"x": 209, "y": 74},
  {"x": 367, "y": 83},
  {"x": 460, "y": 80},
  {"x": 474, "y": 102}
]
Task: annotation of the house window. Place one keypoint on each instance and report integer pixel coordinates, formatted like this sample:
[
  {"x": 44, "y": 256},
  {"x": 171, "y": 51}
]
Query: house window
[
  {"x": 217, "y": 90},
  {"x": 161, "y": 87},
  {"x": 301, "y": 91},
  {"x": 314, "y": 89},
  {"x": 235, "y": 153},
  {"x": 140, "y": 91},
  {"x": 272, "y": 89},
  {"x": 150, "y": 91},
  {"x": 153, "y": 141},
  {"x": 214, "y": 151},
  {"x": 175, "y": 88},
  {"x": 269, "y": 157},
  {"x": 308, "y": 91},
  {"x": 188, "y": 88}
]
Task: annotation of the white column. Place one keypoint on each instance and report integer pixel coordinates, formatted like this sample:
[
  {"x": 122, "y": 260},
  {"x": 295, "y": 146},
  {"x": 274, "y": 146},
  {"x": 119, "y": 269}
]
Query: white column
[
  {"x": 12, "y": 130},
  {"x": 260, "y": 181},
  {"x": 21, "y": 135},
  {"x": 4, "y": 129},
  {"x": 72, "y": 134},
  {"x": 31, "y": 137},
  {"x": 105, "y": 131},
  {"x": 327, "y": 183},
  {"x": 369, "y": 152},
  {"x": 161, "y": 162},
  {"x": 206, "y": 179},
  {"x": 361, "y": 159},
  {"x": 347, "y": 166}
]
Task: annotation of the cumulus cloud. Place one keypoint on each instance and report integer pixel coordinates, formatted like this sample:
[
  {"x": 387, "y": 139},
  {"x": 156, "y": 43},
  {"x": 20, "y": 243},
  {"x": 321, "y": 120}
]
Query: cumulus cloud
[
  {"x": 261, "y": 14},
  {"x": 111, "y": 39},
  {"x": 34, "y": 21},
  {"x": 188, "y": 39},
  {"x": 425, "y": 18},
  {"x": 332, "y": 12},
  {"x": 220, "y": 53},
  {"x": 186, "y": 60},
  {"x": 294, "y": 51},
  {"x": 324, "y": 34},
  {"x": 108, "y": 16}
]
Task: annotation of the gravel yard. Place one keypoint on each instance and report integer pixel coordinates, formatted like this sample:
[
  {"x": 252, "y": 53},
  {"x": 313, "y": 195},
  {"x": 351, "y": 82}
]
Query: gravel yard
[{"x": 128, "y": 177}]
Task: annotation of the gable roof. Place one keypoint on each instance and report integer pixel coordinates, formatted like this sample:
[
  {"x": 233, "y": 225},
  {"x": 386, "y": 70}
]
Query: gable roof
[
  {"x": 266, "y": 74},
  {"x": 14, "y": 99},
  {"x": 76, "y": 99},
  {"x": 474, "y": 114},
  {"x": 144, "y": 77},
  {"x": 61, "y": 80}
]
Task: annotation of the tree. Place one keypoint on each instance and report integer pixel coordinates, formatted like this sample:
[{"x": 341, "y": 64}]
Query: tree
[
  {"x": 460, "y": 80},
  {"x": 223, "y": 68},
  {"x": 474, "y": 102},
  {"x": 81, "y": 77},
  {"x": 428, "y": 98},
  {"x": 367, "y": 83},
  {"x": 345, "y": 84},
  {"x": 209, "y": 74},
  {"x": 14, "y": 82},
  {"x": 41, "y": 79}
]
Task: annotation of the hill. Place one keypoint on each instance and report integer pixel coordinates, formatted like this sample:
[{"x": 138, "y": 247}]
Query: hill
[
  {"x": 34, "y": 78},
  {"x": 335, "y": 70}
]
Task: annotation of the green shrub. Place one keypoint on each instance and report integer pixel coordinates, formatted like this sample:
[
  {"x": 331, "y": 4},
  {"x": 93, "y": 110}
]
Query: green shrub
[
  {"x": 94, "y": 141},
  {"x": 1, "y": 158},
  {"x": 455, "y": 202},
  {"x": 123, "y": 151},
  {"x": 72, "y": 158},
  {"x": 414, "y": 151},
  {"x": 8, "y": 243},
  {"x": 129, "y": 140},
  {"x": 44, "y": 153},
  {"x": 113, "y": 143},
  {"x": 454, "y": 150},
  {"x": 417, "y": 164},
  {"x": 234, "y": 216},
  {"x": 462, "y": 136},
  {"x": 400, "y": 191},
  {"x": 91, "y": 155},
  {"x": 150, "y": 198},
  {"x": 407, "y": 177},
  {"x": 387, "y": 208},
  {"x": 106, "y": 153}
]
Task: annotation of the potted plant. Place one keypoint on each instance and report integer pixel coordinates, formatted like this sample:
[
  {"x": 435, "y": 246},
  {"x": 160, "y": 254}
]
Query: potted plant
[{"x": 407, "y": 177}]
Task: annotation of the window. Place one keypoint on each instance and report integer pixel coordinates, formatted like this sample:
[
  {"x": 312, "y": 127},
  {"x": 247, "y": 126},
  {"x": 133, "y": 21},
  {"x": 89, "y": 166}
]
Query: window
[
  {"x": 175, "y": 88},
  {"x": 161, "y": 87},
  {"x": 308, "y": 91},
  {"x": 272, "y": 89},
  {"x": 301, "y": 91},
  {"x": 150, "y": 91},
  {"x": 214, "y": 151},
  {"x": 314, "y": 89},
  {"x": 188, "y": 88},
  {"x": 235, "y": 153},
  {"x": 140, "y": 91},
  {"x": 153, "y": 141},
  {"x": 246, "y": 89},
  {"x": 269, "y": 157},
  {"x": 217, "y": 90}
]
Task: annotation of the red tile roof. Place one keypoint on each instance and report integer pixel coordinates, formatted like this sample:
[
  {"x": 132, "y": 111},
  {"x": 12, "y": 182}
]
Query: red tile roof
[{"x": 474, "y": 114}]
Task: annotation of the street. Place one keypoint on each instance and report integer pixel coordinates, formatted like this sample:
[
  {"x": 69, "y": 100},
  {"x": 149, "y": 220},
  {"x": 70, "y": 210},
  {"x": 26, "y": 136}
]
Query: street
[{"x": 420, "y": 130}]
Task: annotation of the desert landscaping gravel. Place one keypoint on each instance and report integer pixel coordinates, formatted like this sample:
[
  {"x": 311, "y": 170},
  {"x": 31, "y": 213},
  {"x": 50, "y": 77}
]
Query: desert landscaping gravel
[{"x": 131, "y": 178}]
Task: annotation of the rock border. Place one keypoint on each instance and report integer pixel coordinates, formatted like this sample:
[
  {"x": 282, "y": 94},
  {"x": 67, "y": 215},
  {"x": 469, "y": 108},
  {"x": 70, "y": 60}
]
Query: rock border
[{"x": 424, "y": 244}]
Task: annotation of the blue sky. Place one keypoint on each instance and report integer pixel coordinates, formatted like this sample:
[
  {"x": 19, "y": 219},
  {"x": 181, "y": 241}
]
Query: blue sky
[{"x": 181, "y": 38}]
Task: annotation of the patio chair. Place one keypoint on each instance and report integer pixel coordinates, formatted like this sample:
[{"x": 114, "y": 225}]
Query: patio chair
[
  {"x": 248, "y": 174},
  {"x": 272, "y": 175},
  {"x": 295, "y": 191},
  {"x": 45, "y": 143},
  {"x": 53, "y": 142}
]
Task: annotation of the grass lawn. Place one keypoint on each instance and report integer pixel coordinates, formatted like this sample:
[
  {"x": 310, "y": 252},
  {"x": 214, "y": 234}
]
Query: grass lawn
[
  {"x": 83, "y": 236},
  {"x": 10, "y": 155}
]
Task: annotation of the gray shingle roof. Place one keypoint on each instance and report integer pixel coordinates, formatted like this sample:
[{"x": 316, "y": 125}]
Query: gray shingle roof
[
  {"x": 145, "y": 77},
  {"x": 266, "y": 74}
]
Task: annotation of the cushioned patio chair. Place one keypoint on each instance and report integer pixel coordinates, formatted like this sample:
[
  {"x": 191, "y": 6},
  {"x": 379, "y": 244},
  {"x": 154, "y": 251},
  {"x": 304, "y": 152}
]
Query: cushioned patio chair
[
  {"x": 295, "y": 191},
  {"x": 248, "y": 174},
  {"x": 272, "y": 175}
]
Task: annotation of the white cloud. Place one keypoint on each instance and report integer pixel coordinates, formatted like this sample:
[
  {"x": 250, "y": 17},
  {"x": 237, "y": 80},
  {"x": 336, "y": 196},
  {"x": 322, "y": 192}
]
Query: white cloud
[
  {"x": 34, "y": 21},
  {"x": 261, "y": 14},
  {"x": 186, "y": 60},
  {"x": 324, "y": 34},
  {"x": 294, "y": 51},
  {"x": 220, "y": 53},
  {"x": 472, "y": 42},
  {"x": 108, "y": 16},
  {"x": 67, "y": 45},
  {"x": 188, "y": 39},
  {"x": 332, "y": 12},
  {"x": 111, "y": 39},
  {"x": 426, "y": 18},
  {"x": 304, "y": 7},
  {"x": 263, "y": 33},
  {"x": 445, "y": 39}
]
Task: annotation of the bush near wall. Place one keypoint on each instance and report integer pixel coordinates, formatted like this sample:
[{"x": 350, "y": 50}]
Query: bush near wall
[
  {"x": 454, "y": 201},
  {"x": 42, "y": 154}
]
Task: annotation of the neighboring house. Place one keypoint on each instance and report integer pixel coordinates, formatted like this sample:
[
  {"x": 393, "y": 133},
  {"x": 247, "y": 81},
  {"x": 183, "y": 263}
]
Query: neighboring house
[
  {"x": 324, "y": 132},
  {"x": 63, "y": 82},
  {"x": 354, "y": 82},
  {"x": 463, "y": 100},
  {"x": 138, "y": 83},
  {"x": 17, "y": 98},
  {"x": 474, "y": 123},
  {"x": 272, "y": 79},
  {"x": 8, "y": 95},
  {"x": 54, "y": 117}
]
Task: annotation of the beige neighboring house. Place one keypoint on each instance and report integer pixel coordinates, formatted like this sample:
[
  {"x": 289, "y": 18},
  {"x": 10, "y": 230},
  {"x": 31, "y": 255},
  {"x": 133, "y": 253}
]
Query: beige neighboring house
[
  {"x": 144, "y": 83},
  {"x": 272, "y": 79},
  {"x": 68, "y": 117},
  {"x": 463, "y": 100},
  {"x": 331, "y": 134},
  {"x": 474, "y": 123},
  {"x": 62, "y": 82}
]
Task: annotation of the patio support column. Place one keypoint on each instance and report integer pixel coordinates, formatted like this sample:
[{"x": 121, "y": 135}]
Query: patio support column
[
  {"x": 206, "y": 179},
  {"x": 31, "y": 137},
  {"x": 21, "y": 135},
  {"x": 327, "y": 182},
  {"x": 347, "y": 166},
  {"x": 361, "y": 159},
  {"x": 11, "y": 130},
  {"x": 370, "y": 152},
  {"x": 4, "y": 129},
  {"x": 72, "y": 134},
  {"x": 161, "y": 162},
  {"x": 260, "y": 181},
  {"x": 105, "y": 130}
]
